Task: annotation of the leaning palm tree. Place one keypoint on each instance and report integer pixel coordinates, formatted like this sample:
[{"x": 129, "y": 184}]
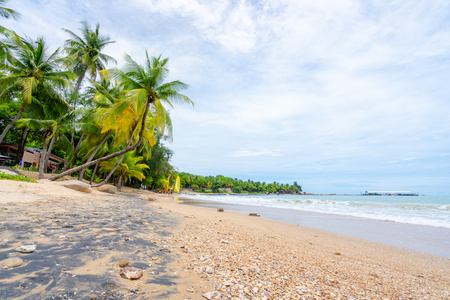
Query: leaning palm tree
[
  {"x": 103, "y": 94},
  {"x": 146, "y": 88},
  {"x": 32, "y": 75},
  {"x": 85, "y": 53}
]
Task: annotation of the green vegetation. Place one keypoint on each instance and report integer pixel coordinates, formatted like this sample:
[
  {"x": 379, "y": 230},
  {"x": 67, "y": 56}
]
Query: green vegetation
[
  {"x": 4, "y": 176},
  {"x": 126, "y": 170},
  {"x": 108, "y": 124},
  {"x": 32, "y": 169},
  {"x": 222, "y": 184}
]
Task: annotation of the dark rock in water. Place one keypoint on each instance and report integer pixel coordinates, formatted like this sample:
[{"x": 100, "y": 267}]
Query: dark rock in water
[
  {"x": 11, "y": 262},
  {"x": 123, "y": 263},
  {"x": 132, "y": 273},
  {"x": 220, "y": 209},
  {"x": 26, "y": 248},
  {"x": 253, "y": 215}
]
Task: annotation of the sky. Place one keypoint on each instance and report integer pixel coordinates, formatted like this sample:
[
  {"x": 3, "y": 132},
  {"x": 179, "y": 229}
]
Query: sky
[{"x": 341, "y": 96}]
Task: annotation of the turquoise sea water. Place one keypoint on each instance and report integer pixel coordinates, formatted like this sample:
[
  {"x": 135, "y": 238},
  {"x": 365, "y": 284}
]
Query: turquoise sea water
[{"x": 419, "y": 210}]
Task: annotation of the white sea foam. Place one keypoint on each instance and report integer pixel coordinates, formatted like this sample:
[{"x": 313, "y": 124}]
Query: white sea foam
[{"x": 421, "y": 210}]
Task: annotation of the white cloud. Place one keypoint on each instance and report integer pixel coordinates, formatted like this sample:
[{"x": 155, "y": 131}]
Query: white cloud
[
  {"x": 231, "y": 26},
  {"x": 332, "y": 85}
]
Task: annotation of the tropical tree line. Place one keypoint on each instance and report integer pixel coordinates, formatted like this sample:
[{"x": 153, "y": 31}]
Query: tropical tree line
[
  {"x": 108, "y": 124},
  {"x": 224, "y": 184}
]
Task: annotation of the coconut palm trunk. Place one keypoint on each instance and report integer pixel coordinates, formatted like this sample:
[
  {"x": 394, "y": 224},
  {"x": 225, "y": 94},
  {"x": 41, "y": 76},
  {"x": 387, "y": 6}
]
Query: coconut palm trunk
[
  {"x": 93, "y": 173},
  {"x": 76, "y": 150},
  {"x": 43, "y": 154},
  {"x": 79, "y": 81},
  {"x": 8, "y": 127},
  {"x": 91, "y": 157},
  {"x": 49, "y": 150},
  {"x": 119, "y": 181},
  {"x": 21, "y": 148}
]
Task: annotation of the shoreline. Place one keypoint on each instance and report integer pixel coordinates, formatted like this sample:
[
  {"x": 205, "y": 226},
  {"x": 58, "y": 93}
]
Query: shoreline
[
  {"x": 422, "y": 238},
  {"x": 257, "y": 257},
  {"x": 189, "y": 251}
]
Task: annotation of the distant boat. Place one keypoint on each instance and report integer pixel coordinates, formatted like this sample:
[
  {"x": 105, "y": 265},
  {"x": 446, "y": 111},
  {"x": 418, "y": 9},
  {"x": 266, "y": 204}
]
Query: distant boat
[{"x": 389, "y": 193}]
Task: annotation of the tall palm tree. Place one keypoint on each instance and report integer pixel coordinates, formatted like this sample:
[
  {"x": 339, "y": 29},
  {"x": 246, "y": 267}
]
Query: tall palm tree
[
  {"x": 145, "y": 81},
  {"x": 55, "y": 121},
  {"x": 32, "y": 75},
  {"x": 146, "y": 88},
  {"x": 85, "y": 57},
  {"x": 85, "y": 52}
]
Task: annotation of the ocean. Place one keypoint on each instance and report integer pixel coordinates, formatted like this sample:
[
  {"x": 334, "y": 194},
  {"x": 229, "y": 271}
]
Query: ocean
[
  {"x": 416, "y": 222},
  {"x": 419, "y": 210}
]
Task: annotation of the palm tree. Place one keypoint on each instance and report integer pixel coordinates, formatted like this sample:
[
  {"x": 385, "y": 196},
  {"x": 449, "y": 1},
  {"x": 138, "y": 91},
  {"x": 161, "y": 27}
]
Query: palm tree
[
  {"x": 127, "y": 169},
  {"x": 85, "y": 52},
  {"x": 85, "y": 57},
  {"x": 146, "y": 88},
  {"x": 33, "y": 75},
  {"x": 103, "y": 94},
  {"x": 54, "y": 122}
]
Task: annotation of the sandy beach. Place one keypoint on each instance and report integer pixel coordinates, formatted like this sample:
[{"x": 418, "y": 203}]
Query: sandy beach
[{"x": 190, "y": 252}]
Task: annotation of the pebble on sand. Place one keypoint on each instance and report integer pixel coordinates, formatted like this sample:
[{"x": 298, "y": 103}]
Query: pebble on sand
[
  {"x": 132, "y": 273},
  {"x": 212, "y": 295},
  {"x": 123, "y": 263},
  {"x": 190, "y": 289},
  {"x": 26, "y": 248},
  {"x": 11, "y": 262}
]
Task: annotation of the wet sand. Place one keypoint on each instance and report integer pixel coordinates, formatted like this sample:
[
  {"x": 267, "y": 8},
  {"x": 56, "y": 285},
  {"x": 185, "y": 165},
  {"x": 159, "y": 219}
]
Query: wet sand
[{"x": 81, "y": 238}]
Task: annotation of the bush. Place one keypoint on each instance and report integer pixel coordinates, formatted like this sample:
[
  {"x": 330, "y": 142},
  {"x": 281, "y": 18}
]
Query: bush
[
  {"x": 32, "y": 169},
  {"x": 15, "y": 177}
]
